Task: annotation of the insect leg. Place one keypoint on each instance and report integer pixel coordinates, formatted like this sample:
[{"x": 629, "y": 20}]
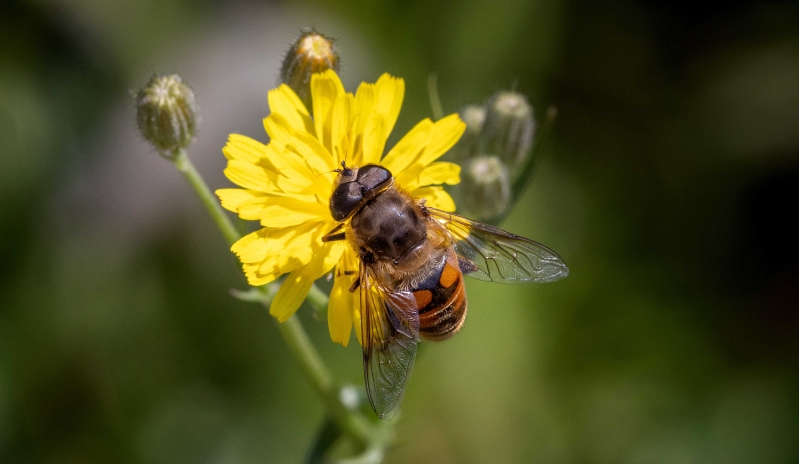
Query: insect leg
[{"x": 335, "y": 234}]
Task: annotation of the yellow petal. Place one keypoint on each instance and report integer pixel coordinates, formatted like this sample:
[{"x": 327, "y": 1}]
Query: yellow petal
[
  {"x": 231, "y": 198},
  {"x": 262, "y": 244},
  {"x": 316, "y": 157},
  {"x": 374, "y": 139},
  {"x": 356, "y": 319},
  {"x": 269, "y": 253},
  {"x": 436, "y": 198},
  {"x": 339, "y": 314},
  {"x": 409, "y": 148},
  {"x": 332, "y": 256},
  {"x": 283, "y": 211},
  {"x": 255, "y": 279},
  {"x": 277, "y": 156},
  {"x": 277, "y": 216},
  {"x": 282, "y": 261},
  {"x": 409, "y": 163},
  {"x": 252, "y": 247},
  {"x": 302, "y": 165},
  {"x": 277, "y": 127},
  {"x": 301, "y": 249},
  {"x": 342, "y": 300},
  {"x": 436, "y": 173},
  {"x": 291, "y": 294},
  {"x": 262, "y": 273},
  {"x": 243, "y": 148},
  {"x": 445, "y": 133},
  {"x": 325, "y": 88},
  {"x": 364, "y": 104},
  {"x": 361, "y": 111},
  {"x": 284, "y": 102},
  {"x": 296, "y": 286},
  {"x": 390, "y": 91},
  {"x": 440, "y": 173},
  {"x": 250, "y": 176},
  {"x": 341, "y": 126},
  {"x": 293, "y": 182}
]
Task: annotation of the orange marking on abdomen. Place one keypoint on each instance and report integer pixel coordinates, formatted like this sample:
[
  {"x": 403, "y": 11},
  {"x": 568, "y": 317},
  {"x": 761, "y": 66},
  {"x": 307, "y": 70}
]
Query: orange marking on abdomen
[
  {"x": 423, "y": 298},
  {"x": 443, "y": 322},
  {"x": 449, "y": 275}
]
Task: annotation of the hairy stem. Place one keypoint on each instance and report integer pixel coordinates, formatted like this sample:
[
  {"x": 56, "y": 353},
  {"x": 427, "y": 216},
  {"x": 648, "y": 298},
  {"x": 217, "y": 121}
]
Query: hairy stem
[{"x": 218, "y": 214}]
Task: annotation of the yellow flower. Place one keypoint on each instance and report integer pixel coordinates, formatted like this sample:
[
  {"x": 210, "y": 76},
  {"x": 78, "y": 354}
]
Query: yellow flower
[{"x": 287, "y": 184}]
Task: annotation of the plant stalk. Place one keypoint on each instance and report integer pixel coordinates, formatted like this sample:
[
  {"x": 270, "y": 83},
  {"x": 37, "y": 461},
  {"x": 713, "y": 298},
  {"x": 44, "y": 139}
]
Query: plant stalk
[
  {"x": 435, "y": 100},
  {"x": 181, "y": 161}
]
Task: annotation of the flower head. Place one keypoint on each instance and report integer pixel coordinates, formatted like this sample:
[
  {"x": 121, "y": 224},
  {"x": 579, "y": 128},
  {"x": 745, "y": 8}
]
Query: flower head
[{"x": 287, "y": 184}]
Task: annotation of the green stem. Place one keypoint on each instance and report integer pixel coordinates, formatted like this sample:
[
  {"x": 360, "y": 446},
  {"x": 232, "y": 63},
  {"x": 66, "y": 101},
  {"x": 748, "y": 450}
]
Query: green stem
[
  {"x": 218, "y": 214},
  {"x": 435, "y": 101},
  {"x": 352, "y": 422}
]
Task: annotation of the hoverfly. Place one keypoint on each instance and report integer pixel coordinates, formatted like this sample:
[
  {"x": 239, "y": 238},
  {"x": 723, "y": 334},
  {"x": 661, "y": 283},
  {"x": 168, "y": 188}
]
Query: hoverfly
[{"x": 410, "y": 277}]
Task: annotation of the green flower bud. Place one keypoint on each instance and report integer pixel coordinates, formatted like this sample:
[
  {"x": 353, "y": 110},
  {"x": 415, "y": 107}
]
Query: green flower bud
[
  {"x": 167, "y": 113},
  {"x": 474, "y": 117},
  {"x": 485, "y": 189},
  {"x": 311, "y": 53},
  {"x": 509, "y": 129}
]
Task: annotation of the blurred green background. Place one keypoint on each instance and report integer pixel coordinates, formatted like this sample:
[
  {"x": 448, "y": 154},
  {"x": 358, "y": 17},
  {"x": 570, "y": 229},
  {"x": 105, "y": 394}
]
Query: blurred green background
[{"x": 669, "y": 186}]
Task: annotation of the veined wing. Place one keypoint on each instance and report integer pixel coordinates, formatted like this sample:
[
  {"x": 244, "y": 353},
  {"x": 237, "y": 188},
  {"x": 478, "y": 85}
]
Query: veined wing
[
  {"x": 389, "y": 333},
  {"x": 492, "y": 254}
]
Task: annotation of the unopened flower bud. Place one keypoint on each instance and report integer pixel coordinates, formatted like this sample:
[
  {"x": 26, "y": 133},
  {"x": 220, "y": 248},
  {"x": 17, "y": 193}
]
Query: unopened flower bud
[
  {"x": 167, "y": 113},
  {"x": 485, "y": 190},
  {"x": 509, "y": 128},
  {"x": 311, "y": 53},
  {"x": 474, "y": 117}
]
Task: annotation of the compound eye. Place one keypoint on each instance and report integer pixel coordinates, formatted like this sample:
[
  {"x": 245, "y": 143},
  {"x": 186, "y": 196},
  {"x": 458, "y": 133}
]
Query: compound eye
[
  {"x": 344, "y": 200},
  {"x": 373, "y": 176}
]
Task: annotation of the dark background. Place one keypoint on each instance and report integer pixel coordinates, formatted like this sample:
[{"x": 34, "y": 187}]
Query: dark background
[{"x": 669, "y": 186}]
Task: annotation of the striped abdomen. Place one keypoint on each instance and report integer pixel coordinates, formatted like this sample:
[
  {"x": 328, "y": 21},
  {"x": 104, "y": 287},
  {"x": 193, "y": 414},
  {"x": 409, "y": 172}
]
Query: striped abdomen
[{"x": 441, "y": 301}]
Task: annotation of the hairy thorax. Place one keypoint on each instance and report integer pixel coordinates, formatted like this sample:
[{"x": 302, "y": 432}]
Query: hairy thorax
[{"x": 392, "y": 229}]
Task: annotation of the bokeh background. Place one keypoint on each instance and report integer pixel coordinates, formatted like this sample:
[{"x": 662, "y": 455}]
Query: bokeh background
[{"x": 669, "y": 185}]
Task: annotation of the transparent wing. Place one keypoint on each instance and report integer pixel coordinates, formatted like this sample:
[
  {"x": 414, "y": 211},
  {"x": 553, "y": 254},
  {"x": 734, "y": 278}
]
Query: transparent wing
[
  {"x": 390, "y": 333},
  {"x": 488, "y": 253}
]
